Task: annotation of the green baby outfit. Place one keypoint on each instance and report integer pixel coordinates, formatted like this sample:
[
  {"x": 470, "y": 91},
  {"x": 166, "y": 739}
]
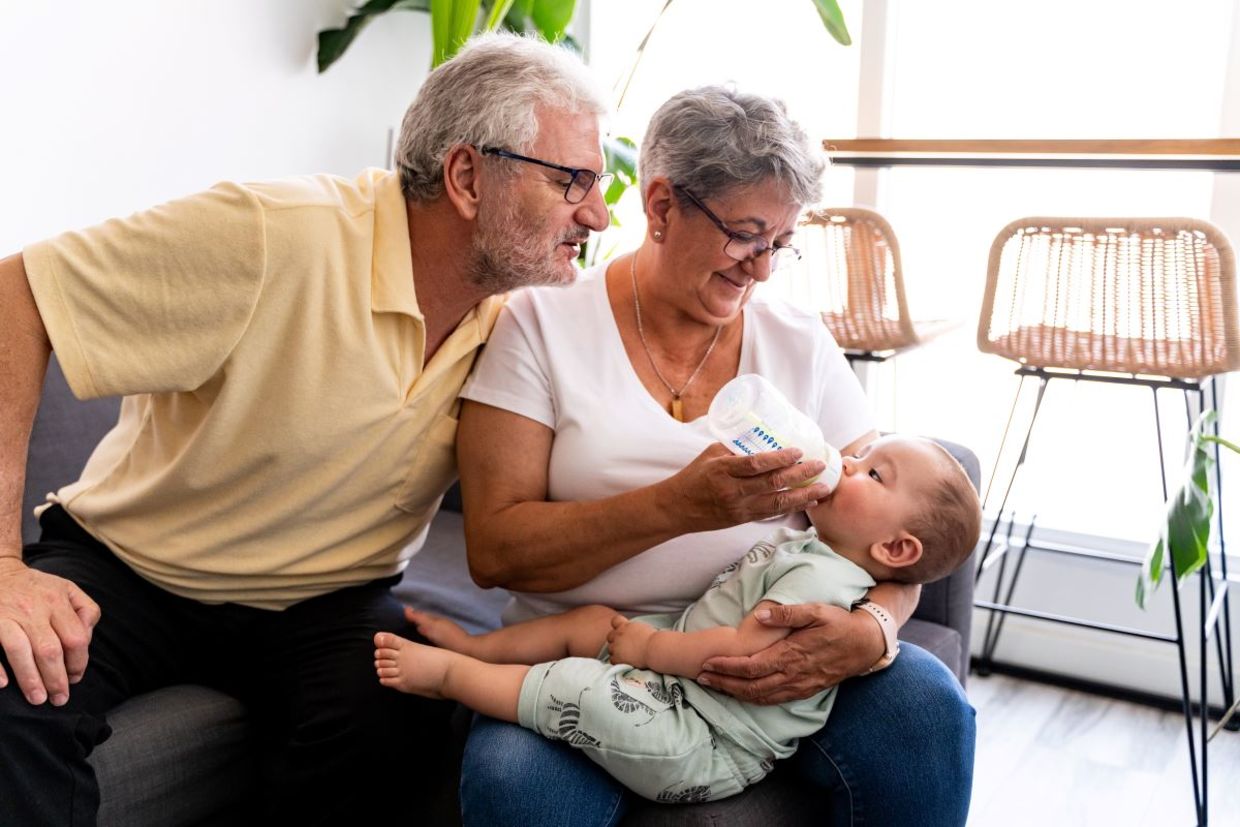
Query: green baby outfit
[{"x": 668, "y": 738}]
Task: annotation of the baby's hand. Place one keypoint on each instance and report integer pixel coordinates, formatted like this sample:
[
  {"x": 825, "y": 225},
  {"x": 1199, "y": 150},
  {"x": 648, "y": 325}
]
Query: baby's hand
[{"x": 628, "y": 641}]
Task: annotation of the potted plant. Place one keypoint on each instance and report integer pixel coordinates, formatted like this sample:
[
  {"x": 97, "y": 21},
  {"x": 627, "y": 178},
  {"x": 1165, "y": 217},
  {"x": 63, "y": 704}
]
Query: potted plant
[{"x": 1184, "y": 537}]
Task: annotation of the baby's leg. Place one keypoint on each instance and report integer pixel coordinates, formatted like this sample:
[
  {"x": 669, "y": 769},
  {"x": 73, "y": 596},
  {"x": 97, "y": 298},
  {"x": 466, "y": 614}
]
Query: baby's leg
[
  {"x": 489, "y": 688},
  {"x": 635, "y": 725},
  {"x": 579, "y": 632}
]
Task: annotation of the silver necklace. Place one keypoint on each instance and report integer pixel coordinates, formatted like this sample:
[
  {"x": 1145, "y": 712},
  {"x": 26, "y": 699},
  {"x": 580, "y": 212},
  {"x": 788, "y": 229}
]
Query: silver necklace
[{"x": 676, "y": 409}]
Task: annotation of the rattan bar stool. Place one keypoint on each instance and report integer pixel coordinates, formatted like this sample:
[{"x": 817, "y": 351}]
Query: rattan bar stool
[
  {"x": 853, "y": 258},
  {"x": 1149, "y": 302}
]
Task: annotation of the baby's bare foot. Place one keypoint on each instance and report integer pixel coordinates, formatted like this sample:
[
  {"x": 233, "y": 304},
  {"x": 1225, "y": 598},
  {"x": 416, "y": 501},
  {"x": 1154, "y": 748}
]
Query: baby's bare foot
[
  {"x": 410, "y": 667},
  {"x": 441, "y": 631}
]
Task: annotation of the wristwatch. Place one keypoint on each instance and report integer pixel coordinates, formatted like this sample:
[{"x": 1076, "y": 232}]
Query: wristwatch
[{"x": 888, "y": 624}]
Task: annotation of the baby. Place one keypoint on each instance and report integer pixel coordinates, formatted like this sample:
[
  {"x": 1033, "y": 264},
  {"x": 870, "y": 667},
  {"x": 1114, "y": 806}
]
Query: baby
[{"x": 623, "y": 691}]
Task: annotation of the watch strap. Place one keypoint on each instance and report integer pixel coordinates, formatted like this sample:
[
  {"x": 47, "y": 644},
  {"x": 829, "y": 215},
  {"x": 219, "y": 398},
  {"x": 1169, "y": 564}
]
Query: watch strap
[{"x": 887, "y": 624}]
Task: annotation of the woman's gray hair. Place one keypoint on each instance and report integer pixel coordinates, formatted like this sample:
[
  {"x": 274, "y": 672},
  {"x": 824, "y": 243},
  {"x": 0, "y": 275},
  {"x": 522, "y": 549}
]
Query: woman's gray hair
[
  {"x": 714, "y": 139},
  {"x": 486, "y": 96}
]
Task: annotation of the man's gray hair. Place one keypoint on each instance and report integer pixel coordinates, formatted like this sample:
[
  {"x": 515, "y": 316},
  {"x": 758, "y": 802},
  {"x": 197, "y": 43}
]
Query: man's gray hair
[
  {"x": 486, "y": 96},
  {"x": 714, "y": 139}
]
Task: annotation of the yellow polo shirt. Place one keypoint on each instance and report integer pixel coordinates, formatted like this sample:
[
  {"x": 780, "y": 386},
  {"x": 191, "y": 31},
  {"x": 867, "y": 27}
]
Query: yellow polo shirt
[{"x": 280, "y": 436}]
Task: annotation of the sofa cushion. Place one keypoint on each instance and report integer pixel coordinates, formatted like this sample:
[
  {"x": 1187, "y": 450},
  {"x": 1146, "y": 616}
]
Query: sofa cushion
[
  {"x": 438, "y": 580},
  {"x": 65, "y": 433},
  {"x": 179, "y": 755}
]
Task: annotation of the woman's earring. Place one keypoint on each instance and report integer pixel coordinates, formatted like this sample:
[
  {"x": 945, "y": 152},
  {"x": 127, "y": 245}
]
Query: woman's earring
[{"x": 658, "y": 236}]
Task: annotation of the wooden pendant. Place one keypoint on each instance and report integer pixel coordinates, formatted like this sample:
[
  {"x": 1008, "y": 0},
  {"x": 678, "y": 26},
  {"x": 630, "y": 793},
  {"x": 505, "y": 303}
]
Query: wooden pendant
[{"x": 678, "y": 410}]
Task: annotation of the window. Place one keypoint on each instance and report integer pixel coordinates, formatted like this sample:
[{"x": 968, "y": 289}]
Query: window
[
  {"x": 781, "y": 49},
  {"x": 976, "y": 69},
  {"x": 1106, "y": 69}
]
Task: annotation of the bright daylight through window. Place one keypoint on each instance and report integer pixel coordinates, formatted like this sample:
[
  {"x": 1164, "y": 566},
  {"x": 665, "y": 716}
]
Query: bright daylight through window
[{"x": 975, "y": 69}]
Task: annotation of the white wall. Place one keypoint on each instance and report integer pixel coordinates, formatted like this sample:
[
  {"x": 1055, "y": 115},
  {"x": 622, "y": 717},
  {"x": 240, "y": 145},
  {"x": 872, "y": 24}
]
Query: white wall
[{"x": 110, "y": 107}]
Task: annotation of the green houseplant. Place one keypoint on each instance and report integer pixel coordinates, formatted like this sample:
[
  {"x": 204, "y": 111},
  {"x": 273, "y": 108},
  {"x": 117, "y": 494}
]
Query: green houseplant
[
  {"x": 1183, "y": 544},
  {"x": 454, "y": 21},
  {"x": 1184, "y": 538}
]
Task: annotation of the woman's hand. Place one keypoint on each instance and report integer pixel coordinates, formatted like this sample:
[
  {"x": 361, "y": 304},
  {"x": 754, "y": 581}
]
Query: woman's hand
[
  {"x": 719, "y": 489},
  {"x": 830, "y": 644}
]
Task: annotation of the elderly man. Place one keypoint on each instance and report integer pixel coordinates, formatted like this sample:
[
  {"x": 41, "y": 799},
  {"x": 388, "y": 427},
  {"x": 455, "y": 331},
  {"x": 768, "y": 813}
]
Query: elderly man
[{"x": 290, "y": 354}]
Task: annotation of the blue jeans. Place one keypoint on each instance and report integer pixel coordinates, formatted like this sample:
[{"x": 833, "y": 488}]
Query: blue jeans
[{"x": 897, "y": 750}]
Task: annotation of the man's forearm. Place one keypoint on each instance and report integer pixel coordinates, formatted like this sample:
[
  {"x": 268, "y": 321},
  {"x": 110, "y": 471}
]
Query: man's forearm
[{"x": 24, "y": 350}]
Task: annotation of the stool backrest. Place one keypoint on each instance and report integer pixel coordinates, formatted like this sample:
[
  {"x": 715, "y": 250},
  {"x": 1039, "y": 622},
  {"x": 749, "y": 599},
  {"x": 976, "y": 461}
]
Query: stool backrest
[
  {"x": 853, "y": 261},
  {"x": 1129, "y": 295}
]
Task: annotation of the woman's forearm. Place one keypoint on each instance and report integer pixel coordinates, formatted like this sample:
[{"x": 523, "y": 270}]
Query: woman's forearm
[
  {"x": 538, "y": 546},
  {"x": 519, "y": 539},
  {"x": 516, "y": 537}
]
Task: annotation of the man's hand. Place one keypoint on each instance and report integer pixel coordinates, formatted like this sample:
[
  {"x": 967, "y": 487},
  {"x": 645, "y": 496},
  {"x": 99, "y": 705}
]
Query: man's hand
[
  {"x": 830, "y": 644},
  {"x": 45, "y": 629},
  {"x": 629, "y": 642}
]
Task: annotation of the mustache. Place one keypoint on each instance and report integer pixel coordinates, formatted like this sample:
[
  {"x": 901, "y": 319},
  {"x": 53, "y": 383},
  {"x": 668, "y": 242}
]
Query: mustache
[{"x": 578, "y": 236}]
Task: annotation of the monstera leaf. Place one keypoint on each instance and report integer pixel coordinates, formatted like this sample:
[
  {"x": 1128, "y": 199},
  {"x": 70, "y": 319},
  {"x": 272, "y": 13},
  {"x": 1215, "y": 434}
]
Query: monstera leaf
[
  {"x": 334, "y": 42},
  {"x": 453, "y": 22},
  {"x": 1185, "y": 536}
]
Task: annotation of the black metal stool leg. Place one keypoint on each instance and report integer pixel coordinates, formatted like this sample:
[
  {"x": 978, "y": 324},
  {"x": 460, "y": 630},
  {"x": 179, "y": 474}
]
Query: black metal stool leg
[
  {"x": 989, "y": 639},
  {"x": 1223, "y": 635},
  {"x": 1186, "y": 702},
  {"x": 993, "y": 639},
  {"x": 1024, "y": 448}
]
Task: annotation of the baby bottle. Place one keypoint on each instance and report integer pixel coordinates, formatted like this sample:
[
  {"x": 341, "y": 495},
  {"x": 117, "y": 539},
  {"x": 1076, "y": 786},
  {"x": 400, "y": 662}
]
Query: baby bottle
[{"x": 750, "y": 415}]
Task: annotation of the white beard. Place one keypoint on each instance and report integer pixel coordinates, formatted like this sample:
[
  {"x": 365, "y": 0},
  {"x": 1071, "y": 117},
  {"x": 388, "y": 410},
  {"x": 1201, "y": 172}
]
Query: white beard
[{"x": 507, "y": 253}]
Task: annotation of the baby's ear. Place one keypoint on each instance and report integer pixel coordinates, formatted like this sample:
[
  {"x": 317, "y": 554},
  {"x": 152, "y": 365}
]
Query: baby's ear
[{"x": 903, "y": 550}]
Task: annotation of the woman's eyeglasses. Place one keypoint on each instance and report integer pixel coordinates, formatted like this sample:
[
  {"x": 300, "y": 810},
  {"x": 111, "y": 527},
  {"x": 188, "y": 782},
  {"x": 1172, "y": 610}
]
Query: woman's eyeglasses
[{"x": 744, "y": 246}]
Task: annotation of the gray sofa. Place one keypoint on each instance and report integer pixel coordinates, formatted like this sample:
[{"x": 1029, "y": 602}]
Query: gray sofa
[{"x": 183, "y": 755}]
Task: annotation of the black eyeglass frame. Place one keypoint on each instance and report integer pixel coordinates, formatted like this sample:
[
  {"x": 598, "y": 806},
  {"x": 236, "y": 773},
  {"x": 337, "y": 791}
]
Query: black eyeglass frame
[
  {"x": 603, "y": 179},
  {"x": 747, "y": 239}
]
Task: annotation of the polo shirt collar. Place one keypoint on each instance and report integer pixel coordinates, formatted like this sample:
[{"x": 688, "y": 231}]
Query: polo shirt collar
[
  {"x": 391, "y": 278},
  {"x": 392, "y": 289}
]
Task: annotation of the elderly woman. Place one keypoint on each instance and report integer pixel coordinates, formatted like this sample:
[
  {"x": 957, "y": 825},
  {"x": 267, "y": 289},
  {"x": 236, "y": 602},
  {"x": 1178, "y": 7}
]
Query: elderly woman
[{"x": 589, "y": 476}]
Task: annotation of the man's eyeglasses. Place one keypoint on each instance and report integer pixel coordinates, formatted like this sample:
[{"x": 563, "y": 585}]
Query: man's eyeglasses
[
  {"x": 744, "y": 246},
  {"x": 579, "y": 184}
]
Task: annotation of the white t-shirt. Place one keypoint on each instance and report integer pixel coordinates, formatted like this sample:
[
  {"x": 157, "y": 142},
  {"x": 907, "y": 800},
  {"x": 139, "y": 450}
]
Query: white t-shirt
[{"x": 556, "y": 357}]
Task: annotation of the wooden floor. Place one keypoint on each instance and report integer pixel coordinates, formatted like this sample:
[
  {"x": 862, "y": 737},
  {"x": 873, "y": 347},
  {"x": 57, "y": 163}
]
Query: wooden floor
[{"x": 1050, "y": 756}]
